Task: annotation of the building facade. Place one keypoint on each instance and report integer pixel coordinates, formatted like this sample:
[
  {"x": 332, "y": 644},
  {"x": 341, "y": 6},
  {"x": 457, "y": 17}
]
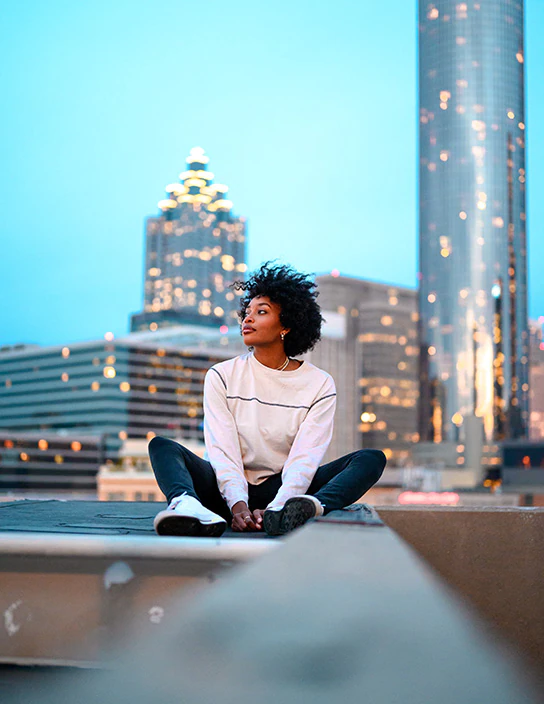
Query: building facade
[
  {"x": 49, "y": 464},
  {"x": 369, "y": 346},
  {"x": 99, "y": 394},
  {"x": 536, "y": 380},
  {"x": 195, "y": 248},
  {"x": 472, "y": 224}
]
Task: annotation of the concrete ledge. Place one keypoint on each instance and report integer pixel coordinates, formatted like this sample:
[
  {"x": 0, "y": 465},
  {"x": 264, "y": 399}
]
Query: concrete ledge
[
  {"x": 65, "y": 598},
  {"x": 43, "y": 545},
  {"x": 494, "y": 557},
  {"x": 341, "y": 613}
]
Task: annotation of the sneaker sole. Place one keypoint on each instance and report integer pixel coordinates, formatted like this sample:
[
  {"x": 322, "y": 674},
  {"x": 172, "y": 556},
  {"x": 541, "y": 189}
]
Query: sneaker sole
[
  {"x": 189, "y": 527},
  {"x": 294, "y": 514}
]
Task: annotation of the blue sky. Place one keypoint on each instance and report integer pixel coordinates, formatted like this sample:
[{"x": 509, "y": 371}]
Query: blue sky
[{"x": 307, "y": 111}]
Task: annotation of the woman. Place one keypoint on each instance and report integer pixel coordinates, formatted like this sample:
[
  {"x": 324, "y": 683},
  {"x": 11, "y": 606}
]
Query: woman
[{"x": 268, "y": 421}]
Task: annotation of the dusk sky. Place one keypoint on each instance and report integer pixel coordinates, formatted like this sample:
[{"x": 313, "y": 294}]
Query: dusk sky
[{"x": 307, "y": 111}]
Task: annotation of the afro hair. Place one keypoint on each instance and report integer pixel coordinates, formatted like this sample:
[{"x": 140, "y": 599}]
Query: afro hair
[{"x": 296, "y": 295}]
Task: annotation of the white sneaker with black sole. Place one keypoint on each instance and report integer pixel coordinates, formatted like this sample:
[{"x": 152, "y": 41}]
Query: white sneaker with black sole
[
  {"x": 187, "y": 516},
  {"x": 294, "y": 513}
]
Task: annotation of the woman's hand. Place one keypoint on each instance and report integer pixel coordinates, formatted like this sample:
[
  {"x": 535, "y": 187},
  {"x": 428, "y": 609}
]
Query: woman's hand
[{"x": 241, "y": 518}]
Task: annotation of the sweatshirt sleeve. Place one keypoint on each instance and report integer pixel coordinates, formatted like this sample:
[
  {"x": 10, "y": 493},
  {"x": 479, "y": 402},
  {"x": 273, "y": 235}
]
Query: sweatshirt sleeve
[
  {"x": 309, "y": 447},
  {"x": 221, "y": 438}
]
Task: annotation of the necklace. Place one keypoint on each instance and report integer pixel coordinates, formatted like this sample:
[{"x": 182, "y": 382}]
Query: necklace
[{"x": 280, "y": 369}]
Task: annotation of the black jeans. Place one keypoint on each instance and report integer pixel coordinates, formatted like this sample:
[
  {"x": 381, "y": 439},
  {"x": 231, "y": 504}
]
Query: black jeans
[{"x": 336, "y": 484}]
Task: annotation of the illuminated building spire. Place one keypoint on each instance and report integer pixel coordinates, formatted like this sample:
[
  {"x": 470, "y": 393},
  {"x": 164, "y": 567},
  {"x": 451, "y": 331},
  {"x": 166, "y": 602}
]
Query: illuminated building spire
[{"x": 196, "y": 186}]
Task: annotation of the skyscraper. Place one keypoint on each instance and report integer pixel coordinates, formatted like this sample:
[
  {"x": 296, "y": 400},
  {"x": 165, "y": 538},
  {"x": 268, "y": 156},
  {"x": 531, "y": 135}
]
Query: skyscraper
[
  {"x": 194, "y": 249},
  {"x": 472, "y": 225}
]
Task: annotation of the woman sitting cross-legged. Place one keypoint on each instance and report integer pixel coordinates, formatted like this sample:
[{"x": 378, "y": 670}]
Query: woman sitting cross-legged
[{"x": 268, "y": 420}]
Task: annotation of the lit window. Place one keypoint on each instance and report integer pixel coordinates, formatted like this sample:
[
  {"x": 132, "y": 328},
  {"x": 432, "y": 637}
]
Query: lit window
[
  {"x": 43, "y": 444},
  {"x": 433, "y": 14},
  {"x": 218, "y": 311},
  {"x": 510, "y": 115},
  {"x": 457, "y": 419},
  {"x": 76, "y": 446},
  {"x": 95, "y": 386},
  {"x": 122, "y": 435},
  {"x": 24, "y": 456},
  {"x": 386, "y": 320},
  {"x": 463, "y": 215},
  {"x": 444, "y": 155},
  {"x": 124, "y": 386},
  {"x": 153, "y": 327},
  {"x": 65, "y": 377},
  {"x": 65, "y": 352},
  {"x": 432, "y": 351},
  {"x": 150, "y": 435},
  {"x": 431, "y": 166},
  {"x": 109, "y": 372},
  {"x": 431, "y": 297},
  {"x": 109, "y": 336},
  {"x": 59, "y": 459},
  {"x": 152, "y": 389},
  {"x": 519, "y": 57}
]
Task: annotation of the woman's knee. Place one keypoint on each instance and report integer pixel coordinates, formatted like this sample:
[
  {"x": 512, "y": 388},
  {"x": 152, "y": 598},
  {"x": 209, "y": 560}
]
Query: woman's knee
[
  {"x": 157, "y": 443},
  {"x": 372, "y": 461}
]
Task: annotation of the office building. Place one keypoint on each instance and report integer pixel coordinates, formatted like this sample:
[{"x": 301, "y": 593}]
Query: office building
[
  {"x": 369, "y": 346},
  {"x": 536, "y": 380},
  {"x": 472, "y": 221},
  {"x": 90, "y": 397},
  {"x": 48, "y": 464},
  {"x": 195, "y": 248}
]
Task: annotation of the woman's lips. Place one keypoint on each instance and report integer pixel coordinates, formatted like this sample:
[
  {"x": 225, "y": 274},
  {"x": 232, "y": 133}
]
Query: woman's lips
[{"x": 246, "y": 330}]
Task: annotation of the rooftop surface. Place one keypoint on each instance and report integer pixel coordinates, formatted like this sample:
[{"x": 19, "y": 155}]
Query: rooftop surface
[{"x": 113, "y": 518}]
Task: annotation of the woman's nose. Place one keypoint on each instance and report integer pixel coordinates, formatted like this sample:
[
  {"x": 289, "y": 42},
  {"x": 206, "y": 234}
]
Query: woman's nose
[{"x": 248, "y": 318}]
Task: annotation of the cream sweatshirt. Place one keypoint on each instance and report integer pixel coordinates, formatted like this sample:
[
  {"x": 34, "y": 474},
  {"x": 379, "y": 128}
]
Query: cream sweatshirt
[{"x": 260, "y": 421}]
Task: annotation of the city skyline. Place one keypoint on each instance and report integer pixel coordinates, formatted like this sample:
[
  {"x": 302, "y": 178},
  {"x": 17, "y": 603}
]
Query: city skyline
[{"x": 290, "y": 132}]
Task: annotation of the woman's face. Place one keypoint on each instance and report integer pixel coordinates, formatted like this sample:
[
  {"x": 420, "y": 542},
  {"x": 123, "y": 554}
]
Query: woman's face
[{"x": 261, "y": 324}]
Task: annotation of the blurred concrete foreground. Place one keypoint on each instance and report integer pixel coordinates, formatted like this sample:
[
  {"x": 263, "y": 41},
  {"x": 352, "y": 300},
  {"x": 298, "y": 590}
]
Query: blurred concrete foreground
[{"x": 424, "y": 605}]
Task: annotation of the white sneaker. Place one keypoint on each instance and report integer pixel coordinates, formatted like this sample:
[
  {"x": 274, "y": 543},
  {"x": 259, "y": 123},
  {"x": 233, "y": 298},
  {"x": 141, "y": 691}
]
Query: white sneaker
[
  {"x": 187, "y": 516},
  {"x": 296, "y": 511}
]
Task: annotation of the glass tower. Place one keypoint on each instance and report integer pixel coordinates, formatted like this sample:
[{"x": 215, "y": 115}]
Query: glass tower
[
  {"x": 194, "y": 249},
  {"x": 472, "y": 225}
]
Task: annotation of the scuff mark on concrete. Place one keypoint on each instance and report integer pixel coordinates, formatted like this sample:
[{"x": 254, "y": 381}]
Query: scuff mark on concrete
[
  {"x": 9, "y": 621},
  {"x": 118, "y": 573},
  {"x": 156, "y": 614}
]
